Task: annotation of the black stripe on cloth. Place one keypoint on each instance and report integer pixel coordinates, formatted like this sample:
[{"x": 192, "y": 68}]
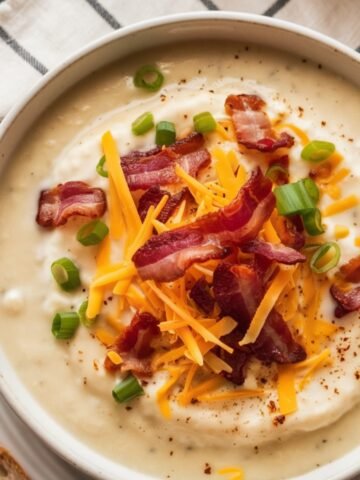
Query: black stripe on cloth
[
  {"x": 22, "y": 52},
  {"x": 105, "y": 14},
  {"x": 275, "y": 7},
  {"x": 358, "y": 49},
  {"x": 209, "y": 4}
]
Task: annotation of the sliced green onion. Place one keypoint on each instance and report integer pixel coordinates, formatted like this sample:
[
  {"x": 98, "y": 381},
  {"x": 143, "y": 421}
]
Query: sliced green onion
[
  {"x": 311, "y": 188},
  {"x": 319, "y": 254},
  {"x": 66, "y": 274},
  {"x": 312, "y": 222},
  {"x": 92, "y": 233},
  {"x": 143, "y": 124},
  {"x": 148, "y": 77},
  {"x": 84, "y": 319},
  {"x": 100, "y": 167},
  {"x": 275, "y": 170},
  {"x": 127, "y": 390},
  {"x": 294, "y": 198},
  {"x": 204, "y": 122},
  {"x": 317, "y": 151},
  {"x": 64, "y": 325},
  {"x": 165, "y": 133}
]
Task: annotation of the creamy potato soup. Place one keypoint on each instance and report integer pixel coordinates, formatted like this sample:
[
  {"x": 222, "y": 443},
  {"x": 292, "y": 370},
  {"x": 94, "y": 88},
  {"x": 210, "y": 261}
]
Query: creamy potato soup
[{"x": 233, "y": 316}]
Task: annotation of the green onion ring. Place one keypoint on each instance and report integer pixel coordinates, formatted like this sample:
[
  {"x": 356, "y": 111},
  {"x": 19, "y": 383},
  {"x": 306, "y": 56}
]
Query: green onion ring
[
  {"x": 92, "y": 233},
  {"x": 64, "y": 325},
  {"x": 148, "y": 77},
  {"x": 204, "y": 122},
  {"x": 100, "y": 167},
  {"x": 66, "y": 274},
  {"x": 320, "y": 252},
  {"x": 127, "y": 389}
]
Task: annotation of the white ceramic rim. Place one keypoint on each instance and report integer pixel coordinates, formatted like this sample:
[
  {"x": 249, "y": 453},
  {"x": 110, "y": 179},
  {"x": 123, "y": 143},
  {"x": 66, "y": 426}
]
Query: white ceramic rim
[{"x": 341, "y": 469}]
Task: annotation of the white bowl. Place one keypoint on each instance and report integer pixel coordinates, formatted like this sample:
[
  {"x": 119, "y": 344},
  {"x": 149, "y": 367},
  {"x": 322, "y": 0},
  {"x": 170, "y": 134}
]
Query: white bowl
[{"x": 215, "y": 25}]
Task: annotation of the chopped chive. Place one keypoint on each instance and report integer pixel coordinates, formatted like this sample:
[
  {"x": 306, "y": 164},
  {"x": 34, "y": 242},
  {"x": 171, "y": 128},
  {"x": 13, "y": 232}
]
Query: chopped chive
[
  {"x": 92, "y": 233},
  {"x": 64, "y": 325},
  {"x": 143, "y": 124},
  {"x": 165, "y": 133},
  {"x": 311, "y": 188},
  {"x": 148, "y": 77},
  {"x": 127, "y": 389},
  {"x": 66, "y": 274},
  {"x": 312, "y": 222},
  {"x": 294, "y": 198},
  {"x": 317, "y": 151},
  {"x": 100, "y": 167},
  {"x": 204, "y": 122},
  {"x": 315, "y": 262},
  {"x": 84, "y": 319}
]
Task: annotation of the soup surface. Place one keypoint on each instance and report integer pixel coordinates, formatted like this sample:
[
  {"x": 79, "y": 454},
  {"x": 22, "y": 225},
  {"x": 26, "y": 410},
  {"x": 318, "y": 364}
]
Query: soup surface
[{"x": 68, "y": 377}]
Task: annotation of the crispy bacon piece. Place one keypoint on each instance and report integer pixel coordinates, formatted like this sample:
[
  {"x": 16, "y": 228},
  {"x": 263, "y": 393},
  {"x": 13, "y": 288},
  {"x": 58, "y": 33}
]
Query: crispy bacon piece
[
  {"x": 165, "y": 257},
  {"x": 277, "y": 253},
  {"x": 348, "y": 300},
  {"x": 153, "y": 197},
  {"x": 350, "y": 272},
  {"x": 157, "y": 166},
  {"x": 276, "y": 343},
  {"x": 238, "y": 289},
  {"x": 252, "y": 125},
  {"x": 200, "y": 294},
  {"x": 58, "y": 204},
  {"x": 134, "y": 345},
  {"x": 290, "y": 231}
]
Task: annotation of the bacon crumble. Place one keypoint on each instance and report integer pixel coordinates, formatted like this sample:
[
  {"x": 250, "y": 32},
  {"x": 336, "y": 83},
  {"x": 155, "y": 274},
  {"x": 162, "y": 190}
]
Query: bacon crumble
[
  {"x": 166, "y": 257},
  {"x": 58, "y": 204},
  {"x": 252, "y": 125},
  {"x": 143, "y": 170}
]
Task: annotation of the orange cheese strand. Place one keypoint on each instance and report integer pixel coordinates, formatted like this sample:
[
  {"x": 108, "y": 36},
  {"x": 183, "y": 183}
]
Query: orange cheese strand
[
  {"x": 96, "y": 295},
  {"x": 116, "y": 220},
  {"x": 286, "y": 389},
  {"x": 105, "y": 337},
  {"x": 267, "y": 304},
  {"x": 341, "y": 205},
  {"x": 116, "y": 173},
  {"x": 193, "y": 350},
  {"x": 192, "y": 322}
]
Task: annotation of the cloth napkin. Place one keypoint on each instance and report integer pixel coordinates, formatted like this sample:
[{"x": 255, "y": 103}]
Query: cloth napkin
[{"x": 36, "y": 35}]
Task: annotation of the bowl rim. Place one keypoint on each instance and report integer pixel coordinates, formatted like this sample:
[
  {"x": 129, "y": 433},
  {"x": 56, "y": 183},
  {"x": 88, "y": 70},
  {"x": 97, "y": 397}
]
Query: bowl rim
[{"x": 63, "y": 451}]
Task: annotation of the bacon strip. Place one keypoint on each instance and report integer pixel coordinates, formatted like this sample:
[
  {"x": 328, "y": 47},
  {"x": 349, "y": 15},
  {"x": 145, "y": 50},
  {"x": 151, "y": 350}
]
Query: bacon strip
[
  {"x": 348, "y": 301},
  {"x": 134, "y": 345},
  {"x": 277, "y": 253},
  {"x": 252, "y": 125},
  {"x": 238, "y": 289},
  {"x": 68, "y": 199},
  {"x": 157, "y": 166},
  {"x": 290, "y": 231},
  {"x": 350, "y": 272},
  {"x": 165, "y": 257},
  {"x": 153, "y": 197},
  {"x": 200, "y": 294}
]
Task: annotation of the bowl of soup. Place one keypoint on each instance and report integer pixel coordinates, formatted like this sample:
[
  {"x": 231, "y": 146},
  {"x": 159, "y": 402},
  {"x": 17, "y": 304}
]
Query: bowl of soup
[{"x": 179, "y": 292}]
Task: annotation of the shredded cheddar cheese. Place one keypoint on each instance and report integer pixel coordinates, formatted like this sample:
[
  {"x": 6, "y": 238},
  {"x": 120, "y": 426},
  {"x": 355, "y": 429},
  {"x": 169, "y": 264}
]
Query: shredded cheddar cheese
[
  {"x": 286, "y": 389},
  {"x": 341, "y": 206},
  {"x": 267, "y": 304}
]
